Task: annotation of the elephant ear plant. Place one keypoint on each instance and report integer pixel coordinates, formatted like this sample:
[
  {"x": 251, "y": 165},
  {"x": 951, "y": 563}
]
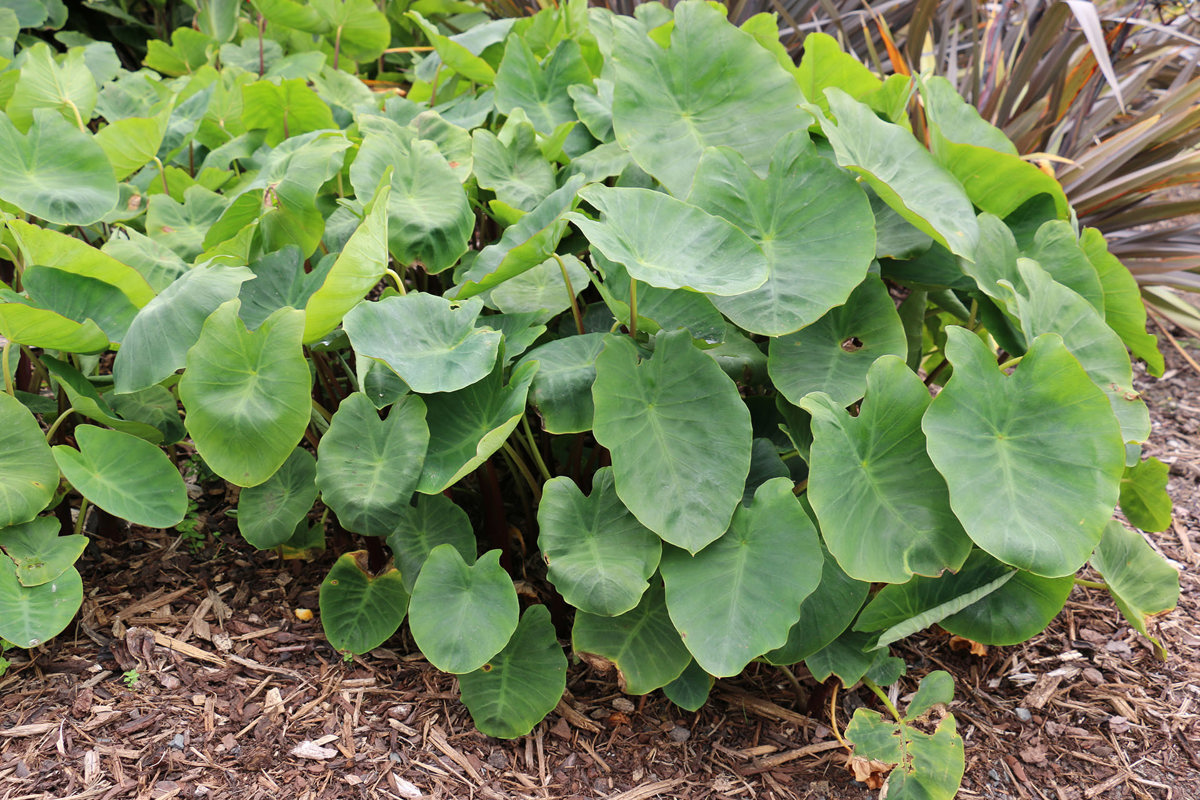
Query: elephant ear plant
[{"x": 758, "y": 374}]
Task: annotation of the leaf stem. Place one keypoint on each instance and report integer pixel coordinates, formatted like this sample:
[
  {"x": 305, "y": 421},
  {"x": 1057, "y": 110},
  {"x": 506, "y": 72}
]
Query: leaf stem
[
  {"x": 5, "y": 363},
  {"x": 570, "y": 294},
  {"x": 1012, "y": 362},
  {"x": 633, "y": 308},
  {"x": 322, "y": 411},
  {"x": 533, "y": 448},
  {"x": 1090, "y": 584},
  {"x": 974, "y": 312},
  {"x": 833, "y": 726},
  {"x": 882, "y": 695},
  {"x": 61, "y": 419},
  {"x": 524, "y": 470},
  {"x": 796, "y": 687},
  {"x": 162, "y": 171},
  {"x": 396, "y": 279},
  {"x": 83, "y": 509}
]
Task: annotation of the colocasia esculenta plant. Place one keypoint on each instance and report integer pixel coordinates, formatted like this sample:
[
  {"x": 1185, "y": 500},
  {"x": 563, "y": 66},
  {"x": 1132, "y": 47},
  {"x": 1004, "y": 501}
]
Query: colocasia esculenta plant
[{"x": 759, "y": 374}]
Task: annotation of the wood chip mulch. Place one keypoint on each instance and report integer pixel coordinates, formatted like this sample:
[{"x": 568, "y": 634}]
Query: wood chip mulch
[{"x": 191, "y": 676}]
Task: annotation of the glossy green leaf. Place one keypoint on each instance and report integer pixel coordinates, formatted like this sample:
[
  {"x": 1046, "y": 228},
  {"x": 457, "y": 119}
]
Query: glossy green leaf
[
  {"x": 659, "y": 309},
  {"x": 159, "y": 337},
  {"x": 357, "y": 270},
  {"x": 55, "y": 171},
  {"x": 1123, "y": 308},
  {"x": 884, "y": 509},
  {"x": 43, "y": 247},
  {"x": 562, "y": 388},
  {"x": 429, "y": 218},
  {"x": 468, "y": 426},
  {"x": 985, "y": 601},
  {"x": 670, "y": 103},
  {"x": 358, "y": 27},
  {"x": 1144, "y": 499},
  {"x": 902, "y": 172},
  {"x": 462, "y": 615},
  {"x": 516, "y": 171},
  {"x": 826, "y": 65},
  {"x": 28, "y": 474},
  {"x": 188, "y": 51},
  {"x": 133, "y": 142},
  {"x": 523, "y": 245},
  {"x": 593, "y": 106},
  {"x": 540, "y": 89},
  {"x": 521, "y": 684},
  {"x": 434, "y": 520},
  {"x": 38, "y": 552},
  {"x": 1049, "y": 418},
  {"x": 690, "y": 690},
  {"x": 360, "y": 611},
  {"x": 543, "y": 288},
  {"x": 455, "y": 55},
  {"x": 154, "y": 406},
  {"x": 850, "y": 656},
  {"x": 247, "y": 394},
  {"x": 24, "y": 323},
  {"x": 824, "y": 615},
  {"x": 126, "y": 476},
  {"x": 1141, "y": 582},
  {"x": 184, "y": 226},
  {"x": 283, "y": 109},
  {"x": 1046, "y": 306},
  {"x": 158, "y": 264},
  {"x": 80, "y": 299},
  {"x": 833, "y": 354},
  {"x": 84, "y": 398},
  {"x": 671, "y": 244},
  {"x": 269, "y": 512},
  {"x": 600, "y": 557},
  {"x": 66, "y": 87},
  {"x": 679, "y": 434},
  {"x": 812, "y": 221},
  {"x": 738, "y": 597},
  {"x": 368, "y": 467},
  {"x": 1056, "y": 248},
  {"x": 430, "y": 343},
  {"x": 642, "y": 644},
  {"x": 31, "y": 615},
  {"x": 927, "y": 766}
]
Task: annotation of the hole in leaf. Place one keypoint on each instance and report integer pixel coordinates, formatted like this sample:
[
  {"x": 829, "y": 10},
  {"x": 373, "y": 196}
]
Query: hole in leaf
[
  {"x": 852, "y": 344},
  {"x": 486, "y": 668}
]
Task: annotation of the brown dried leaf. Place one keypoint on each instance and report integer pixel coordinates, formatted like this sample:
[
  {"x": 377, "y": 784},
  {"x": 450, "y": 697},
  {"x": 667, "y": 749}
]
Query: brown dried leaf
[{"x": 869, "y": 771}]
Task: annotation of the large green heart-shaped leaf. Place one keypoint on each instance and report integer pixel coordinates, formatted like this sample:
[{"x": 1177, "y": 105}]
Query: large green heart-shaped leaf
[
  {"x": 1033, "y": 460},
  {"x": 184, "y": 226},
  {"x": 247, "y": 393},
  {"x": 43, "y": 247},
  {"x": 825, "y": 64},
  {"x": 467, "y": 426},
  {"x": 269, "y": 513},
  {"x": 600, "y": 557},
  {"x": 884, "y": 509},
  {"x": 1141, "y": 582},
  {"x": 985, "y": 601},
  {"x": 462, "y": 615},
  {"x": 850, "y": 656},
  {"x": 429, "y": 218},
  {"x": 927, "y": 766},
  {"x": 283, "y": 109},
  {"x": 430, "y": 343},
  {"x": 359, "y": 611},
  {"x": 679, "y": 434},
  {"x": 824, "y": 614},
  {"x": 738, "y": 598},
  {"x": 902, "y": 172},
  {"x": 154, "y": 406},
  {"x": 40, "y": 554},
  {"x": 1056, "y": 248},
  {"x": 133, "y": 142},
  {"x": 523, "y": 245},
  {"x": 66, "y": 87},
  {"x": 522, "y": 683},
  {"x": 454, "y": 54},
  {"x": 434, "y": 520},
  {"x": 87, "y": 401},
  {"x": 80, "y": 299},
  {"x": 28, "y": 473},
  {"x": 157, "y": 263},
  {"x": 658, "y": 309},
  {"x": 359, "y": 28},
  {"x": 1144, "y": 499},
  {"x": 833, "y": 354},
  {"x": 126, "y": 476},
  {"x": 543, "y": 289},
  {"x": 642, "y": 644},
  {"x": 668, "y": 243},
  {"x": 1046, "y": 306},
  {"x": 160, "y": 335},
  {"x": 356, "y": 271},
  {"x": 515, "y": 170},
  {"x": 31, "y": 615},
  {"x": 1124, "y": 310},
  {"x": 55, "y": 171},
  {"x": 712, "y": 86},
  {"x": 368, "y": 467},
  {"x": 812, "y": 221},
  {"x": 540, "y": 89},
  {"x": 690, "y": 690},
  {"x": 562, "y": 388}
]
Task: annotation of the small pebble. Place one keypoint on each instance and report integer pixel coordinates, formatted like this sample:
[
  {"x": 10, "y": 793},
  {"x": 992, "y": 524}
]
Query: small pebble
[
  {"x": 623, "y": 704},
  {"x": 178, "y": 741},
  {"x": 1093, "y": 676},
  {"x": 1024, "y": 715},
  {"x": 679, "y": 734}
]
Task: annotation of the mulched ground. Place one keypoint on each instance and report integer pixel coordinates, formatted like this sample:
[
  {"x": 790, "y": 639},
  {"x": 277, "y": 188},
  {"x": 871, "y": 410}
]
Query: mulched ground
[{"x": 190, "y": 675}]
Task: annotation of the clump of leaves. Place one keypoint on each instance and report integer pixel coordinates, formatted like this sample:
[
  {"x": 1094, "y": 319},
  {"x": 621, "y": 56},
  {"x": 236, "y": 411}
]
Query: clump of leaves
[{"x": 710, "y": 353}]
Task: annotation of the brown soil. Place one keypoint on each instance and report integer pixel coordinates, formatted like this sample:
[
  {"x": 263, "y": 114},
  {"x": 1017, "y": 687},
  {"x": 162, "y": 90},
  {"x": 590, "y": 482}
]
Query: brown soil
[{"x": 230, "y": 683}]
